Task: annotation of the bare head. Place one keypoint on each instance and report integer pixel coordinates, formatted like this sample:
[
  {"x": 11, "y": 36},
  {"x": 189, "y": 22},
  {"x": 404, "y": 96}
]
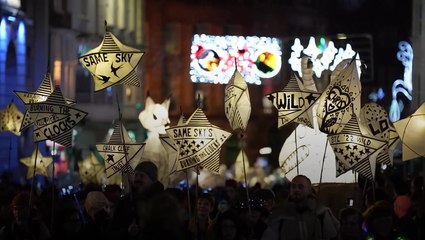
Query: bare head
[{"x": 300, "y": 188}]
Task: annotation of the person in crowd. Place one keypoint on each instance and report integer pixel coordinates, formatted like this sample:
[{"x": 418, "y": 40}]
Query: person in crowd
[
  {"x": 351, "y": 221},
  {"x": 231, "y": 192},
  {"x": 200, "y": 225},
  {"x": 302, "y": 217},
  {"x": 417, "y": 195},
  {"x": 97, "y": 208},
  {"x": 228, "y": 227},
  {"x": 26, "y": 223},
  {"x": 164, "y": 219},
  {"x": 379, "y": 223},
  {"x": 130, "y": 212},
  {"x": 253, "y": 217},
  {"x": 68, "y": 223},
  {"x": 405, "y": 220},
  {"x": 267, "y": 198}
]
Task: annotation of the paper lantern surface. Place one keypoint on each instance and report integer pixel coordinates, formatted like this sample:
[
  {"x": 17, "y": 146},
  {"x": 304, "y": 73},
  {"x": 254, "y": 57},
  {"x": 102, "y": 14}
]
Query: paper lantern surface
[
  {"x": 41, "y": 164},
  {"x": 53, "y": 119},
  {"x": 310, "y": 146},
  {"x": 374, "y": 122},
  {"x": 294, "y": 103},
  {"x": 120, "y": 152},
  {"x": 355, "y": 151},
  {"x": 198, "y": 141},
  {"x": 170, "y": 146},
  {"x": 412, "y": 131},
  {"x": 90, "y": 168},
  {"x": 112, "y": 62},
  {"x": 386, "y": 156},
  {"x": 237, "y": 105},
  {"x": 241, "y": 161},
  {"x": 154, "y": 117},
  {"x": 45, "y": 89},
  {"x": 11, "y": 119},
  {"x": 340, "y": 99}
]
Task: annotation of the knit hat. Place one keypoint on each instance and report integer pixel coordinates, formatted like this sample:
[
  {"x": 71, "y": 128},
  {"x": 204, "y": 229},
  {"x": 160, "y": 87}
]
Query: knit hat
[
  {"x": 95, "y": 201},
  {"x": 402, "y": 205},
  {"x": 149, "y": 168},
  {"x": 21, "y": 199}
]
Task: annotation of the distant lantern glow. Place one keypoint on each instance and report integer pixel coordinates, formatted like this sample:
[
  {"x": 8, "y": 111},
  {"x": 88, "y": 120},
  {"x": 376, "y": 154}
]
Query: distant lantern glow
[
  {"x": 403, "y": 86},
  {"x": 213, "y": 58},
  {"x": 323, "y": 56}
]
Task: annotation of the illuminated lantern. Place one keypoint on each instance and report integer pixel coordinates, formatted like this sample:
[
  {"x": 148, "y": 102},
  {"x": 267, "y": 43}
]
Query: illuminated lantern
[
  {"x": 387, "y": 156},
  {"x": 37, "y": 164},
  {"x": 237, "y": 105},
  {"x": 241, "y": 163},
  {"x": 355, "y": 151},
  {"x": 340, "y": 99},
  {"x": 198, "y": 141},
  {"x": 310, "y": 148},
  {"x": 411, "y": 131},
  {"x": 11, "y": 119},
  {"x": 90, "y": 169},
  {"x": 53, "y": 119},
  {"x": 374, "y": 122},
  {"x": 294, "y": 103},
  {"x": 155, "y": 119},
  {"x": 112, "y": 62},
  {"x": 44, "y": 90},
  {"x": 120, "y": 153}
]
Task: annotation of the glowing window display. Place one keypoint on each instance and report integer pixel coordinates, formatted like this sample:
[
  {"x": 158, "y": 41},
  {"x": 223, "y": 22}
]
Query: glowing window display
[{"x": 212, "y": 58}]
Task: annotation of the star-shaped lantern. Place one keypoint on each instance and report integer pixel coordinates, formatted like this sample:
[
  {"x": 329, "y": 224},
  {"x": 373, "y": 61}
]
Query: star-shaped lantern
[
  {"x": 53, "y": 119},
  {"x": 340, "y": 99},
  {"x": 89, "y": 169},
  {"x": 11, "y": 119},
  {"x": 119, "y": 152},
  {"x": 112, "y": 62},
  {"x": 38, "y": 162},
  {"x": 355, "y": 151},
  {"x": 171, "y": 147},
  {"x": 411, "y": 131},
  {"x": 198, "y": 142},
  {"x": 374, "y": 122},
  {"x": 44, "y": 90},
  {"x": 387, "y": 156},
  {"x": 237, "y": 105},
  {"x": 294, "y": 103}
]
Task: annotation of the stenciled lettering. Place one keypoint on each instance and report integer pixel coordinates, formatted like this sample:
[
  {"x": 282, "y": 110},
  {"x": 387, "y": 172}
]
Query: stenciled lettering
[{"x": 95, "y": 59}]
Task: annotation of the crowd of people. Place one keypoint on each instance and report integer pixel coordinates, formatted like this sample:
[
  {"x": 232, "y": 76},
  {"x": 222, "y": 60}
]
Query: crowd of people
[{"x": 290, "y": 211}]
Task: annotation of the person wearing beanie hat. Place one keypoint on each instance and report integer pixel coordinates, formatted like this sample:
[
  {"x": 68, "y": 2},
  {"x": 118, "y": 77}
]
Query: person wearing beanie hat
[
  {"x": 148, "y": 168},
  {"x": 130, "y": 212}
]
